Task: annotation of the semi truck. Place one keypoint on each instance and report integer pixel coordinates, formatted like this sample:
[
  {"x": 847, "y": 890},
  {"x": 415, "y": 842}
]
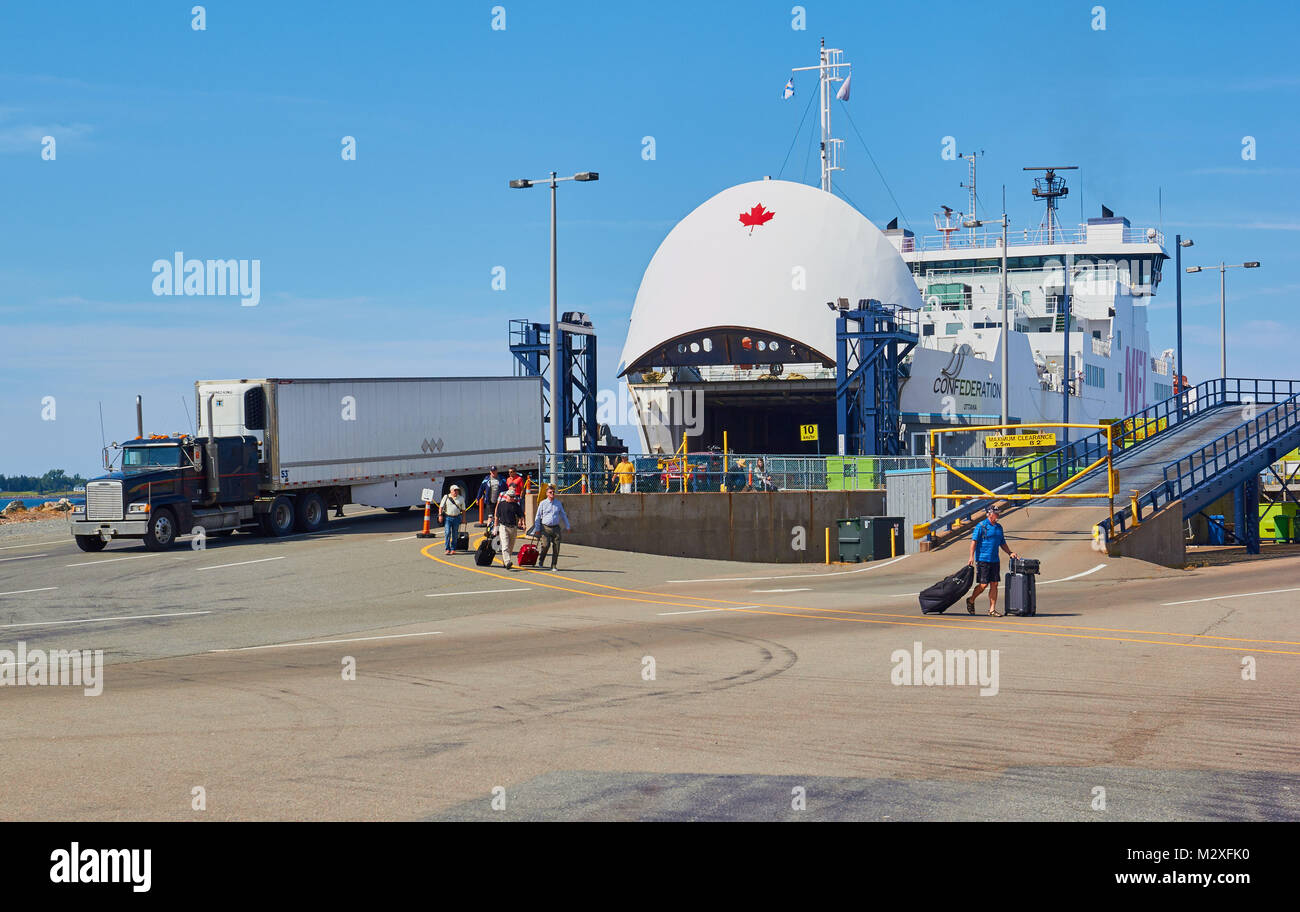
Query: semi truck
[{"x": 273, "y": 456}]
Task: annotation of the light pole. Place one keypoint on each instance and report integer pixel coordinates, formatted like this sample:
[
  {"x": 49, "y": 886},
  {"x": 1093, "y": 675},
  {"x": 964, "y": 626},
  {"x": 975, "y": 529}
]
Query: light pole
[
  {"x": 1223, "y": 308},
  {"x": 1004, "y": 222},
  {"x": 555, "y": 317},
  {"x": 1179, "y": 244}
]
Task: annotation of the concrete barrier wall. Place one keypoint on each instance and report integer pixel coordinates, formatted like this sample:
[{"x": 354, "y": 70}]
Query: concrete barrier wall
[
  {"x": 1159, "y": 539},
  {"x": 741, "y": 527}
]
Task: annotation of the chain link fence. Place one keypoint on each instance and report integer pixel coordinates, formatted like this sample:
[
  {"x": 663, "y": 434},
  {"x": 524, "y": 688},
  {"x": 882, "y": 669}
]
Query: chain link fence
[{"x": 699, "y": 473}]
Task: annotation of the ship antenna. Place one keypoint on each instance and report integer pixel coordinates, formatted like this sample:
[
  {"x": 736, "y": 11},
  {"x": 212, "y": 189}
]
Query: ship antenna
[
  {"x": 830, "y": 68},
  {"x": 974, "y": 198},
  {"x": 1051, "y": 188}
]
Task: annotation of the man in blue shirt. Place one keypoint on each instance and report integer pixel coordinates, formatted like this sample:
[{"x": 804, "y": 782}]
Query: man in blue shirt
[
  {"x": 550, "y": 513},
  {"x": 985, "y": 543}
]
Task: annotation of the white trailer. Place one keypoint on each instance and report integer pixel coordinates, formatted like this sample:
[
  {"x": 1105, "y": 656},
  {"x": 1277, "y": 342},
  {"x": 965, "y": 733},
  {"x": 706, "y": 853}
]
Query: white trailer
[{"x": 380, "y": 440}]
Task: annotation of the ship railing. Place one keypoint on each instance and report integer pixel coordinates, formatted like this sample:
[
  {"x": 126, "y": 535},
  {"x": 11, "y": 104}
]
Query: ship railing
[
  {"x": 982, "y": 240},
  {"x": 723, "y": 372}
]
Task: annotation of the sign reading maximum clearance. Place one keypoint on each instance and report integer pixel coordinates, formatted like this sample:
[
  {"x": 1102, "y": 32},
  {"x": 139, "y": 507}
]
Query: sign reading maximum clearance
[{"x": 1020, "y": 440}]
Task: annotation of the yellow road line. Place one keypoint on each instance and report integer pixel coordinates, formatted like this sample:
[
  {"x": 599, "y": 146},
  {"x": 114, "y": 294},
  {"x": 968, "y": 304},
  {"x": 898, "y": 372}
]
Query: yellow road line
[{"x": 659, "y": 600}]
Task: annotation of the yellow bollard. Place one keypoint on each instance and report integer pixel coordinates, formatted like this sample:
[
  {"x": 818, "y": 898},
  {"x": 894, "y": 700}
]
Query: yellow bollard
[
  {"x": 828, "y": 546},
  {"x": 1133, "y": 501},
  {"x": 893, "y": 542}
]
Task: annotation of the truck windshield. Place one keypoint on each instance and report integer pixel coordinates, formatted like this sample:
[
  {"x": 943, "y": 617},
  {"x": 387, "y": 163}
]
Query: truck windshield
[{"x": 152, "y": 457}]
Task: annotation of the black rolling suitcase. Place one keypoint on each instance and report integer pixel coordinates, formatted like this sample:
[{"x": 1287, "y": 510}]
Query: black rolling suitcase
[
  {"x": 485, "y": 553},
  {"x": 944, "y": 594},
  {"x": 1021, "y": 599},
  {"x": 462, "y": 541}
]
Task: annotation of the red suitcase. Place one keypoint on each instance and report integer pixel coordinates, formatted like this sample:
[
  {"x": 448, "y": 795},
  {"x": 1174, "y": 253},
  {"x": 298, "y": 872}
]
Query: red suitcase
[{"x": 528, "y": 556}]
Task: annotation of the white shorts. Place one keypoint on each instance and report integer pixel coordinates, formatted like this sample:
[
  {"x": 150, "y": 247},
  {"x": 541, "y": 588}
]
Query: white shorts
[{"x": 625, "y": 488}]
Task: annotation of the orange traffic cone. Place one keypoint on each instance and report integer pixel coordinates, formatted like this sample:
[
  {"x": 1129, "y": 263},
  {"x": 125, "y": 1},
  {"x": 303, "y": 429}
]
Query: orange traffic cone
[{"x": 428, "y": 509}]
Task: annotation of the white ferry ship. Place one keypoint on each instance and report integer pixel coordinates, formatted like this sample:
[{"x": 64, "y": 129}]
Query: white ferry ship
[{"x": 731, "y": 335}]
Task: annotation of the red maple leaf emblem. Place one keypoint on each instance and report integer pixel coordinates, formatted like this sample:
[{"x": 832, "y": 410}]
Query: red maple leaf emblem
[{"x": 755, "y": 217}]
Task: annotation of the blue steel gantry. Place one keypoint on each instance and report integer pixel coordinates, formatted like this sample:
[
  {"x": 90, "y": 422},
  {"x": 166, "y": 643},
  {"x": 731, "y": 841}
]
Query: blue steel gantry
[
  {"x": 870, "y": 345},
  {"x": 530, "y": 344}
]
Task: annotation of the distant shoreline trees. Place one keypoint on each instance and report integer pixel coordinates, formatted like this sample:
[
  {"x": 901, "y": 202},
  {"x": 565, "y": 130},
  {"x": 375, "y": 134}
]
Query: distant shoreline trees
[{"x": 52, "y": 481}]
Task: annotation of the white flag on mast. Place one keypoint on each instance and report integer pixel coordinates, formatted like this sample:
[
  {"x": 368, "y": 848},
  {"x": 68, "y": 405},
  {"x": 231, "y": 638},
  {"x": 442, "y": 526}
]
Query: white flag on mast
[
  {"x": 789, "y": 89},
  {"x": 843, "y": 93}
]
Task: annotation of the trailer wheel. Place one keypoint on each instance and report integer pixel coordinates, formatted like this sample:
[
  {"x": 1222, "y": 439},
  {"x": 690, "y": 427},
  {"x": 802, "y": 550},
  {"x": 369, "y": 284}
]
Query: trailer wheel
[
  {"x": 90, "y": 543},
  {"x": 160, "y": 534},
  {"x": 312, "y": 513},
  {"x": 278, "y": 521}
]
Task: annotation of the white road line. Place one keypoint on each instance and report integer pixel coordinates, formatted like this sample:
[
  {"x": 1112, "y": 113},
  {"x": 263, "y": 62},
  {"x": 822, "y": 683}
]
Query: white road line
[
  {"x": 799, "y": 576},
  {"x": 21, "y": 591},
  {"x": 1237, "y": 595},
  {"x": 129, "y": 617},
  {"x": 408, "y": 538},
  {"x": 780, "y": 590},
  {"x": 395, "y": 636},
  {"x": 478, "y": 592},
  {"x": 62, "y": 541},
  {"x": 242, "y": 563},
  {"x": 108, "y": 560},
  {"x": 24, "y": 557},
  {"x": 1066, "y": 579},
  {"x": 703, "y": 610}
]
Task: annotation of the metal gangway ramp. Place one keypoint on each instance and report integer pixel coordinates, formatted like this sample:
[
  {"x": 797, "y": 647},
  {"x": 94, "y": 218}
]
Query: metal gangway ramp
[{"x": 1211, "y": 440}]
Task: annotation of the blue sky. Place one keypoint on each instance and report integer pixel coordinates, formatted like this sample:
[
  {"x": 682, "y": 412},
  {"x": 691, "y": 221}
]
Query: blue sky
[{"x": 225, "y": 143}]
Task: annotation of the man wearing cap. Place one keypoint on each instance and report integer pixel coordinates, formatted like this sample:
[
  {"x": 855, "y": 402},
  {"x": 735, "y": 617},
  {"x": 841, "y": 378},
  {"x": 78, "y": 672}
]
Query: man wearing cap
[
  {"x": 450, "y": 509},
  {"x": 509, "y": 520},
  {"x": 985, "y": 543},
  {"x": 489, "y": 490}
]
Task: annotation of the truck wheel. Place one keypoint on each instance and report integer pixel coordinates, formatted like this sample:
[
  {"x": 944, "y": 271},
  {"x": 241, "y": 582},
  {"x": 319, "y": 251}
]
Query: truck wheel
[
  {"x": 90, "y": 543},
  {"x": 160, "y": 534},
  {"x": 312, "y": 513},
  {"x": 278, "y": 521}
]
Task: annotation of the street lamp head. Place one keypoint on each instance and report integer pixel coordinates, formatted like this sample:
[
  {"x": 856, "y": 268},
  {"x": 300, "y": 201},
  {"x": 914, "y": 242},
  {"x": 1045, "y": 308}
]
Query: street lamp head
[
  {"x": 1253, "y": 264},
  {"x": 1186, "y": 242},
  {"x": 587, "y": 176},
  {"x": 1193, "y": 268},
  {"x": 520, "y": 184}
]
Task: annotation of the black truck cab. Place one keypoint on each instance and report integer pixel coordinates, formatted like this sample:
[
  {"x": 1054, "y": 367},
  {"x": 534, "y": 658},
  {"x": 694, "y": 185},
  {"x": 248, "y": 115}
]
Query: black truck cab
[{"x": 169, "y": 486}]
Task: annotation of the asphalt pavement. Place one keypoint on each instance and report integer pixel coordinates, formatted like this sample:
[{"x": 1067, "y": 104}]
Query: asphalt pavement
[{"x": 361, "y": 674}]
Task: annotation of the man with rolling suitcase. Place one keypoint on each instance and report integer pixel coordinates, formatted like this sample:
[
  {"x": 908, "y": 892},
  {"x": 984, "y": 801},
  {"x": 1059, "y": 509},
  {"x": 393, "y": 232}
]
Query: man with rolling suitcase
[{"x": 985, "y": 543}]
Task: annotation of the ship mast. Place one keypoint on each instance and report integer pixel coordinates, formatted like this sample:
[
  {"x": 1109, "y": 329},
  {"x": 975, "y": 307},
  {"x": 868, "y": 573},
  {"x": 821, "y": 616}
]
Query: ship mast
[{"x": 828, "y": 71}]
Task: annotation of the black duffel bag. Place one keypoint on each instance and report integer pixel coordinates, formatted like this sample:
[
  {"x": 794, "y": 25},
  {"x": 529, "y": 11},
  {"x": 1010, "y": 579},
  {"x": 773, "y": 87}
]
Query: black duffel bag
[{"x": 944, "y": 594}]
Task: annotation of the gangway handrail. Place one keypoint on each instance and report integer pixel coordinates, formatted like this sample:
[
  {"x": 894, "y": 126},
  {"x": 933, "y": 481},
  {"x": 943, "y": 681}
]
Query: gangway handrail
[
  {"x": 1245, "y": 439},
  {"x": 1174, "y": 410}
]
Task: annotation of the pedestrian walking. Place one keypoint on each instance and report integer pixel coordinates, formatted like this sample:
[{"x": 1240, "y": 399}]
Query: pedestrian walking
[
  {"x": 508, "y": 521},
  {"x": 550, "y": 513},
  {"x": 489, "y": 490},
  {"x": 515, "y": 482},
  {"x": 450, "y": 511},
  {"x": 985, "y": 543}
]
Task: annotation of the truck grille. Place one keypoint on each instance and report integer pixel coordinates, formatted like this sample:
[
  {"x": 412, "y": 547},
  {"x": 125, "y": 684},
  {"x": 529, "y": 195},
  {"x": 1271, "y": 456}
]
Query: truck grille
[{"x": 104, "y": 500}]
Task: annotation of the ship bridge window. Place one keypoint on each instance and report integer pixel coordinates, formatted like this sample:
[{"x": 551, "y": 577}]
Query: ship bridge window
[
  {"x": 927, "y": 329},
  {"x": 950, "y": 328}
]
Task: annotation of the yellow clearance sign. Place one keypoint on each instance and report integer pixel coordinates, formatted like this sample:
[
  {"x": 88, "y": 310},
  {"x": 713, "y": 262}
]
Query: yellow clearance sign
[
  {"x": 807, "y": 432},
  {"x": 1020, "y": 440}
]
